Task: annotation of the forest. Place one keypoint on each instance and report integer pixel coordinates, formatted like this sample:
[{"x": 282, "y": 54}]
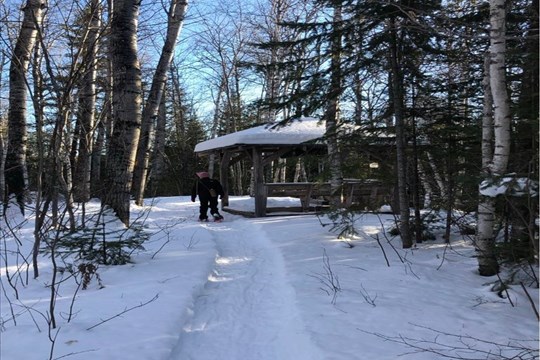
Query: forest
[{"x": 106, "y": 99}]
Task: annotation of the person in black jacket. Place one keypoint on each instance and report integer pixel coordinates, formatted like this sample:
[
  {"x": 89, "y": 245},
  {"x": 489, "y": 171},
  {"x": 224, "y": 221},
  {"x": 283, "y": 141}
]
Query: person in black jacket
[{"x": 208, "y": 191}]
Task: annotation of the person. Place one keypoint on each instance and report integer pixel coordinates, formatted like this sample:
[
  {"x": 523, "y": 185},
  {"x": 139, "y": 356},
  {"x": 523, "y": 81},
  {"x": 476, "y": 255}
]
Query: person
[{"x": 208, "y": 191}]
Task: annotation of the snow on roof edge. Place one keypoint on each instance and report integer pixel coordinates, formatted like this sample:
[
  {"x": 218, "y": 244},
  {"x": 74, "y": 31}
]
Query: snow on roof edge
[{"x": 297, "y": 131}]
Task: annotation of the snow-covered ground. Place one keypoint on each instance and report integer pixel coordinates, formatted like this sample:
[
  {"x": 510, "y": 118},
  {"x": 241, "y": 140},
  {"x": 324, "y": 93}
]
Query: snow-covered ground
[{"x": 275, "y": 288}]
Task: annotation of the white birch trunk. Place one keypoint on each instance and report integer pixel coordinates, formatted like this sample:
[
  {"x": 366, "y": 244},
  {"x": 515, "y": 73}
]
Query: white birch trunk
[
  {"x": 496, "y": 133},
  {"x": 300, "y": 171},
  {"x": 428, "y": 191},
  {"x": 158, "y": 155},
  {"x": 15, "y": 165},
  {"x": 332, "y": 114},
  {"x": 127, "y": 99},
  {"x": 501, "y": 100}
]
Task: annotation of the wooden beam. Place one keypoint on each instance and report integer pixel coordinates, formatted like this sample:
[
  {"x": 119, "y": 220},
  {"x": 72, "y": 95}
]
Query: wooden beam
[
  {"x": 275, "y": 155},
  {"x": 224, "y": 177},
  {"x": 260, "y": 189}
]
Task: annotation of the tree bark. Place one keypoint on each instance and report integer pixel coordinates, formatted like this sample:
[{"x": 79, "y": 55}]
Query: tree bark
[
  {"x": 87, "y": 105},
  {"x": 397, "y": 100},
  {"x": 217, "y": 116},
  {"x": 332, "y": 112},
  {"x": 496, "y": 133},
  {"x": 126, "y": 115},
  {"x": 16, "y": 177},
  {"x": 272, "y": 76},
  {"x": 497, "y": 79},
  {"x": 158, "y": 154},
  {"x": 3, "y": 144},
  {"x": 40, "y": 205},
  {"x": 416, "y": 184},
  {"x": 175, "y": 21}
]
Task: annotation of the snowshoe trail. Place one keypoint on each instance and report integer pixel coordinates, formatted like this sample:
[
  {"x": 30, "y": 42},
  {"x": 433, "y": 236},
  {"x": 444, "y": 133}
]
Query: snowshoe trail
[{"x": 246, "y": 310}]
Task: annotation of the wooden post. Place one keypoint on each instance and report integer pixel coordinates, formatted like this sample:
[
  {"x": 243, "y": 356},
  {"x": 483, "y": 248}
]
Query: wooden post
[
  {"x": 224, "y": 177},
  {"x": 307, "y": 199},
  {"x": 258, "y": 175}
]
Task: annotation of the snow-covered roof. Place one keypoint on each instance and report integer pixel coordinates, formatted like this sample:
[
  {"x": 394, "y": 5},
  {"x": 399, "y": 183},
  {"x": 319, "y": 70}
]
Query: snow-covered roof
[{"x": 296, "y": 132}]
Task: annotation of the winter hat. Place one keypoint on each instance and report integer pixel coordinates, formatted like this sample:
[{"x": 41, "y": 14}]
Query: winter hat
[{"x": 202, "y": 174}]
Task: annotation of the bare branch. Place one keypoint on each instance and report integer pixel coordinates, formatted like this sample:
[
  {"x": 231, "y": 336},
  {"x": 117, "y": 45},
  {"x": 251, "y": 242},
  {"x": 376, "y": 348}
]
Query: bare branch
[
  {"x": 530, "y": 300},
  {"x": 123, "y": 312},
  {"x": 465, "y": 347}
]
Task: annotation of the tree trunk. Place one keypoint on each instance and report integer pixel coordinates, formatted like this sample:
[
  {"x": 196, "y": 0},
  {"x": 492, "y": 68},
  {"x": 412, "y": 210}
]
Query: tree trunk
[
  {"x": 16, "y": 177},
  {"x": 3, "y": 144},
  {"x": 126, "y": 114},
  {"x": 418, "y": 232},
  {"x": 87, "y": 105},
  {"x": 437, "y": 175},
  {"x": 41, "y": 207},
  {"x": 97, "y": 150},
  {"x": 494, "y": 160},
  {"x": 497, "y": 79},
  {"x": 332, "y": 113},
  {"x": 397, "y": 100},
  {"x": 104, "y": 130},
  {"x": 428, "y": 191},
  {"x": 158, "y": 155},
  {"x": 217, "y": 116},
  {"x": 358, "y": 97},
  {"x": 300, "y": 171},
  {"x": 272, "y": 76},
  {"x": 176, "y": 18}
]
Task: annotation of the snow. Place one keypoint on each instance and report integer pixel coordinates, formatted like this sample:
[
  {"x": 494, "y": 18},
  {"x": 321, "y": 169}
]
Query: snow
[
  {"x": 295, "y": 132},
  {"x": 509, "y": 185},
  {"x": 276, "y": 288}
]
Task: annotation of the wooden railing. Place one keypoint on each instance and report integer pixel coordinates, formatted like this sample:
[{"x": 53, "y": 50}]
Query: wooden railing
[
  {"x": 364, "y": 194},
  {"x": 302, "y": 190}
]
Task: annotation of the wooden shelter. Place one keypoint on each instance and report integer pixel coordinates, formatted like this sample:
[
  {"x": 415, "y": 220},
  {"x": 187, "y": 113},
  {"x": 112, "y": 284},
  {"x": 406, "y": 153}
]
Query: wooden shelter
[
  {"x": 266, "y": 143},
  {"x": 262, "y": 145}
]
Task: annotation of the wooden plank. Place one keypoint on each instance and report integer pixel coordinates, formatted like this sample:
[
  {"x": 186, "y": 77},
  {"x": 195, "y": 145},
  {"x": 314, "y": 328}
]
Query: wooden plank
[
  {"x": 278, "y": 211},
  {"x": 298, "y": 189}
]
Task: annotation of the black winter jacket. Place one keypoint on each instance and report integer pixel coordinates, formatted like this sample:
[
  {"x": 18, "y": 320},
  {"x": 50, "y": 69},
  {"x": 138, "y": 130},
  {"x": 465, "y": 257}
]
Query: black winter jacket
[{"x": 202, "y": 188}]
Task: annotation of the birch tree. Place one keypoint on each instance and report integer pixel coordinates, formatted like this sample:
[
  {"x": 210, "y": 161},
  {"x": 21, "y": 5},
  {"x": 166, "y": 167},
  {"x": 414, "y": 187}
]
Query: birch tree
[
  {"x": 16, "y": 177},
  {"x": 332, "y": 111},
  {"x": 126, "y": 112},
  {"x": 495, "y": 136}
]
